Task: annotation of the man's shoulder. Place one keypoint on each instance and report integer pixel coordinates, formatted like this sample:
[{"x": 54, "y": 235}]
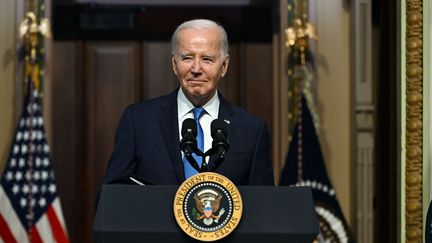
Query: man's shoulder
[
  {"x": 245, "y": 116},
  {"x": 150, "y": 105}
]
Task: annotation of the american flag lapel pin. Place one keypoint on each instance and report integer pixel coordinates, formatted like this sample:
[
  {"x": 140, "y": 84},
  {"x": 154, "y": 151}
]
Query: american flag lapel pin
[{"x": 227, "y": 121}]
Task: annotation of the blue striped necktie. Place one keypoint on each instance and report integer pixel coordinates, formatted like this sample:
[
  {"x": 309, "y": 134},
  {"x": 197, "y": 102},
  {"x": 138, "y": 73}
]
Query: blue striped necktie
[{"x": 188, "y": 169}]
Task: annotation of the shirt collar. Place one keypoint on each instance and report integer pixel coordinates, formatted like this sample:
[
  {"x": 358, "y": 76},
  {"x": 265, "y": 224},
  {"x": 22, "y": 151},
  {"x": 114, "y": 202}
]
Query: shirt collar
[{"x": 185, "y": 106}]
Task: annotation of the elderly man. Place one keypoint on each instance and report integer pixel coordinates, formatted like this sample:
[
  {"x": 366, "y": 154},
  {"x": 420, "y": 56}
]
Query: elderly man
[{"x": 147, "y": 143}]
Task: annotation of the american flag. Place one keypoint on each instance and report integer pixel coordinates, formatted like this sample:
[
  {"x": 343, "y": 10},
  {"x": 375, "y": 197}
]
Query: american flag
[{"x": 30, "y": 208}]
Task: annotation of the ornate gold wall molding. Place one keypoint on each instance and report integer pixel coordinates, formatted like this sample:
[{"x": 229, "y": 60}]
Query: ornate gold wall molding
[{"x": 414, "y": 124}]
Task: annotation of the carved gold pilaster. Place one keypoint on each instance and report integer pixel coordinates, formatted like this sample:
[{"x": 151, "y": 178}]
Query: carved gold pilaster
[{"x": 414, "y": 118}]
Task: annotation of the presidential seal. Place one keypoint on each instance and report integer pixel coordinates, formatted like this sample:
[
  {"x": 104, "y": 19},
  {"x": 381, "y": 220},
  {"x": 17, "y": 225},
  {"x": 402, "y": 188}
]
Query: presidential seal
[{"x": 208, "y": 206}]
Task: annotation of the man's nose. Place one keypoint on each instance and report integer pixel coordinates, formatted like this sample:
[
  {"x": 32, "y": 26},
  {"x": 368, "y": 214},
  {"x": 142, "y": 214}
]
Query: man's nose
[{"x": 196, "y": 66}]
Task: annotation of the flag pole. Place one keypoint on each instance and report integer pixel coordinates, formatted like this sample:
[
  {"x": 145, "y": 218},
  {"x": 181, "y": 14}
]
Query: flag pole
[
  {"x": 299, "y": 31},
  {"x": 32, "y": 30}
]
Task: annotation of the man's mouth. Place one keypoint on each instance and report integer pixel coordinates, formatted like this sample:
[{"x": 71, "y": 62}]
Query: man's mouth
[{"x": 196, "y": 82}]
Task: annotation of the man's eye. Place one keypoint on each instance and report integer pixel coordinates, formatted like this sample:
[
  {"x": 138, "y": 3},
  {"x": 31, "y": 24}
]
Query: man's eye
[
  {"x": 207, "y": 60},
  {"x": 187, "y": 58}
]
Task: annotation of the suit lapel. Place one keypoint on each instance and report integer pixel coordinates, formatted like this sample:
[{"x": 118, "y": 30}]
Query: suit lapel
[
  {"x": 226, "y": 113},
  {"x": 170, "y": 131}
]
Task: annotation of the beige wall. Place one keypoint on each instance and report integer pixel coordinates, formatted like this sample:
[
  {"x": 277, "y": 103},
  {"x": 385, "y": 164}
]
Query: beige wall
[
  {"x": 333, "y": 95},
  {"x": 7, "y": 76}
]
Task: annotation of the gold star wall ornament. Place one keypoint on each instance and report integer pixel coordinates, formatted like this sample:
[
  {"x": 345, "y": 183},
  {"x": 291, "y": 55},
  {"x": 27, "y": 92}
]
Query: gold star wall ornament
[{"x": 298, "y": 33}]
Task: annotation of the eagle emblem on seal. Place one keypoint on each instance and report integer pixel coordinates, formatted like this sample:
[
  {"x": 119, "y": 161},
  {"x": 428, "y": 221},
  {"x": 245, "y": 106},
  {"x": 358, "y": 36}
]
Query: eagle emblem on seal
[{"x": 207, "y": 202}]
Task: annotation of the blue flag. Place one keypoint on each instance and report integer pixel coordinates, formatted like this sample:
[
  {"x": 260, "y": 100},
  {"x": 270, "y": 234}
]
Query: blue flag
[{"x": 305, "y": 166}]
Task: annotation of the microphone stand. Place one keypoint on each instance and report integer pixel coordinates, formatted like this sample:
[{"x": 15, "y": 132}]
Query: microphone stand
[{"x": 205, "y": 167}]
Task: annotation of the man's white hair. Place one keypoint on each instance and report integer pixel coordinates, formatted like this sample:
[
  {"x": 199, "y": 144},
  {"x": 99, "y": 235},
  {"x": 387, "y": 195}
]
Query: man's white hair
[{"x": 200, "y": 24}]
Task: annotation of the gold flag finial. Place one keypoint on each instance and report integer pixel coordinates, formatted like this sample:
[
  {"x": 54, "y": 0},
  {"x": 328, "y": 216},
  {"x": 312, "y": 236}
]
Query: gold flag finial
[
  {"x": 30, "y": 28},
  {"x": 299, "y": 31}
]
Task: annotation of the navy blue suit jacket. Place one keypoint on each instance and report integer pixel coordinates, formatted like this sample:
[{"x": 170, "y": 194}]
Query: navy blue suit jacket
[{"x": 147, "y": 145}]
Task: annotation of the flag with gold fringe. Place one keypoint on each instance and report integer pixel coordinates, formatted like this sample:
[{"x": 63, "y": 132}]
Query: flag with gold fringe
[{"x": 305, "y": 166}]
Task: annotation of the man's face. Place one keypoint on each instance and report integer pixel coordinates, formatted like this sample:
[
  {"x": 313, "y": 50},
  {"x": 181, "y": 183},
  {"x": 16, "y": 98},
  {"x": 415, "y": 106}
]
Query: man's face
[{"x": 199, "y": 64}]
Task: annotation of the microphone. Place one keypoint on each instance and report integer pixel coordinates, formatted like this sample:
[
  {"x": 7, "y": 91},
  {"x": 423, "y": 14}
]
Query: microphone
[
  {"x": 220, "y": 141},
  {"x": 188, "y": 143}
]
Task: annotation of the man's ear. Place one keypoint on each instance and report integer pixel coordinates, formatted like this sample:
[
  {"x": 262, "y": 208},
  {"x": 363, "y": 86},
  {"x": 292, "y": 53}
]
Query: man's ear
[
  {"x": 225, "y": 66},
  {"x": 174, "y": 64}
]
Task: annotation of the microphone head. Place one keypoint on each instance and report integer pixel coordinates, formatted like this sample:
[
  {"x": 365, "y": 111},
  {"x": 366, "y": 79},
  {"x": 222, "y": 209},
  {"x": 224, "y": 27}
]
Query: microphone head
[
  {"x": 189, "y": 125},
  {"x": 218, "y": 126}
]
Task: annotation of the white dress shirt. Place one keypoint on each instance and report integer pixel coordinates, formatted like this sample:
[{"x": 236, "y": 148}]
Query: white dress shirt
[{"x": 211, "y": 108}]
